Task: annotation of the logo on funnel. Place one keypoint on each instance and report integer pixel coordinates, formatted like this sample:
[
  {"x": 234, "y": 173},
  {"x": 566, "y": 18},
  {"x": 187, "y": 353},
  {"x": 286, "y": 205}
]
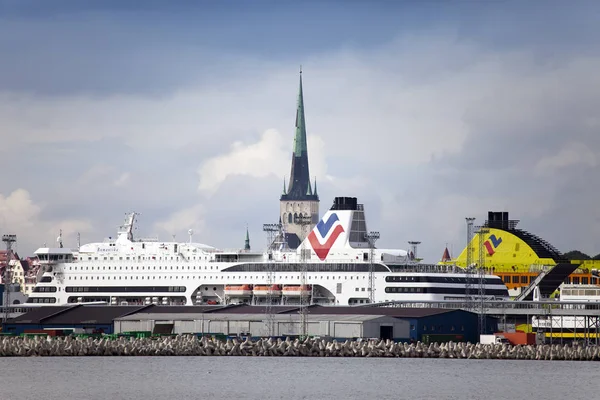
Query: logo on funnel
[
  {"x": 491, "y": 244},
  {"x": 324, "y": 228}
]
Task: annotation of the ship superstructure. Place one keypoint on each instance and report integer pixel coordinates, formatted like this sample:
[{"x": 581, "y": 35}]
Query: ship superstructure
[{"x": 335, "y": 254}]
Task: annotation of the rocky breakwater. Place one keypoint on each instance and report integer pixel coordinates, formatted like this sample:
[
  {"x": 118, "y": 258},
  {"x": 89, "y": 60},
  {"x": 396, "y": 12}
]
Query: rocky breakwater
[{"x": 188, "y": 345}]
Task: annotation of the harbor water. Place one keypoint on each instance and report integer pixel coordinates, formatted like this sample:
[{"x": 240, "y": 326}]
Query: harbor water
[{"x": 181, "y": 378}]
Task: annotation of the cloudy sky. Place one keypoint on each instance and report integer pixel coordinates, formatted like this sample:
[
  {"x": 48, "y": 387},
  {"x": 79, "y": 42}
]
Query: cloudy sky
[{"x": 428, "y": 112}]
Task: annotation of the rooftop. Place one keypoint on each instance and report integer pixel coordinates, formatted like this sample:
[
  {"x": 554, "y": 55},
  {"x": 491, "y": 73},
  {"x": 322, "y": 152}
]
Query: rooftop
[{"x": 101, "y": 314}]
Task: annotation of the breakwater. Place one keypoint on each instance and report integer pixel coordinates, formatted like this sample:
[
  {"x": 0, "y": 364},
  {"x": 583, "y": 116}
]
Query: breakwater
[{"x": 189, "y": 345}]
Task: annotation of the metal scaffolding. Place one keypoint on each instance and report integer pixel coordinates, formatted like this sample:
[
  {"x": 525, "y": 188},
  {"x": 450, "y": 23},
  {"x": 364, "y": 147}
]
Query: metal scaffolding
[
  {"x": 304, "y": 221},
  {"x": 469, "y": 289},
  {"x": 481, "y": 234},
  {"x": 272, "y": 230},
  {"x": 8, "y": 240},
  {"x": 372, "y": 238}
]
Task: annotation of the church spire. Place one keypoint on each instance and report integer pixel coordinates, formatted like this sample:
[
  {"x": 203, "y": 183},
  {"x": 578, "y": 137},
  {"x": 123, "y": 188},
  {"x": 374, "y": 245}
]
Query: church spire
[
  {"x": 299, "y": 187},
  {"x": 247, "y": 241},
  {"x": 300, "y": 136},
  {"x": 315, "y": 192}
]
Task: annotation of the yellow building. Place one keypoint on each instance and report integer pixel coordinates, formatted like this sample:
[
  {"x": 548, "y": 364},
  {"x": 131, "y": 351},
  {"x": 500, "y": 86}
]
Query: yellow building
[{"x": 517, "y": 256}]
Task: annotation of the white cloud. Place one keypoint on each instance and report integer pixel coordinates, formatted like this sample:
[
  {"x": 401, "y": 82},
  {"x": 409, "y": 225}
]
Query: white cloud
[
  {"x": 572, "y": 154},
  {"x": 270, "y": 156},
  {"x": 122, "y": 180},
  {"x": 20, "y": 215},
  {"x": 182, "y": 221},
  {"x": 260, "y": 159},
  {"x": 18, "y": 210}
]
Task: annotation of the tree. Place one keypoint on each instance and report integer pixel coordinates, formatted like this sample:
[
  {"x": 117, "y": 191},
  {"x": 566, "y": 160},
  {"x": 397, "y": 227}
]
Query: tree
[
  {"x": 596, "y": 257},
  {"x": 576, "y": 255}
]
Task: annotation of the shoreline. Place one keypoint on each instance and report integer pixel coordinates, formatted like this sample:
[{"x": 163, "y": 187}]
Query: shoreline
[{"x": 189, "y": 345}]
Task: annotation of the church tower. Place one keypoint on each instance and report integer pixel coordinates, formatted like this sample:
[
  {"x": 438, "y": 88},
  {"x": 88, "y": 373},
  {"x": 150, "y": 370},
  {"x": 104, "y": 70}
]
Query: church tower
[{"x": 299, "y": 198}]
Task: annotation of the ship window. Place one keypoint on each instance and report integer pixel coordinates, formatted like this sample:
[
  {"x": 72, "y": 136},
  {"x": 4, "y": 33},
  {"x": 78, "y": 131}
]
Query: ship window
[
  {"x": 515, "y": 279},
  {"x": 104, "y": 258},
  {"x": 524, "y": 279},
  {"x": 584, "y": 280},
  {"x": 111, "y": 258}
]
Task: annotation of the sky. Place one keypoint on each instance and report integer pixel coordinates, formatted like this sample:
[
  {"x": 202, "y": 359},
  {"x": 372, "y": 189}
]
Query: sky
[{"x": 427, "y": 111}]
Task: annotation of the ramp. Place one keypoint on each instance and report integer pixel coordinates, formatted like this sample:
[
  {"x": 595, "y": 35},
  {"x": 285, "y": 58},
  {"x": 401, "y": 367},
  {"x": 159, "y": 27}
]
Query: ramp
[{"x": 548, "y": 281}]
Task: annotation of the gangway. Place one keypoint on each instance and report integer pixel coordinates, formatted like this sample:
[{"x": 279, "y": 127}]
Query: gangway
[{"x": 548, "y": 281}]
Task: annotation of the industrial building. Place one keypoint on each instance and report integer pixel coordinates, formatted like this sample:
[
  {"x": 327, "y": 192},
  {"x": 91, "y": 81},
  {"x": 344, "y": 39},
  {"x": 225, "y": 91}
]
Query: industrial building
[{"x": 402, "y": 324}]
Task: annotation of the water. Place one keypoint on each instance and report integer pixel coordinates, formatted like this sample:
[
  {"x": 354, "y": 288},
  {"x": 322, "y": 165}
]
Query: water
[{"x": 181, "y": 378}]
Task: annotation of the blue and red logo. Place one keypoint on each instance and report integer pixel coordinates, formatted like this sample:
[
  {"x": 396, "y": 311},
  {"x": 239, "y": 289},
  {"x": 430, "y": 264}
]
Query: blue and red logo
[
  {"x": 328, "y": 236},
  {"x": 492, "y": 244}
]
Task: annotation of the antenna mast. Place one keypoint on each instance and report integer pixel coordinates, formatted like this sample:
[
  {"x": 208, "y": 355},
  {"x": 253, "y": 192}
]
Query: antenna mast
[
  {"x": 371, "y": 238},
  {"x": 8, "y": 240}
]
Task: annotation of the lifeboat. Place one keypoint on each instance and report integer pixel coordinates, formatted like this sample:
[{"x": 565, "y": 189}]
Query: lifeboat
[
  {"x": 265, "y": 290},
  {"x": 297, "y": 290},
  {"x": 238, "y": 290}
]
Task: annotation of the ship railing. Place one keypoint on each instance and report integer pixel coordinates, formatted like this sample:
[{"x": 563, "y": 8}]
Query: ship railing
[
  {"x": 423, "y": 268},
  {"x": 147, "y": 239},
  {"x": 546, "y": 306}
]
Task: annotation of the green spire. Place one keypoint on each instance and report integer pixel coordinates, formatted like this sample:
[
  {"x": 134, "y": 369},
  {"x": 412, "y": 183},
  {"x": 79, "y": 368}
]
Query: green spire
[
  {"x": 300, "y": 137},
  {"x": 315, "y": 192},
  {"x": 284, "y": 186},
  {"x": 247, "y": 241},
  {"x": 308, "y": 190}
]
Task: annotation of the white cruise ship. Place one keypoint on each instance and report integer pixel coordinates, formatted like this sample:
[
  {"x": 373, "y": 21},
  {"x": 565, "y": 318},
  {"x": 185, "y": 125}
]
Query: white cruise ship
[{"x": 333, "y": 265}]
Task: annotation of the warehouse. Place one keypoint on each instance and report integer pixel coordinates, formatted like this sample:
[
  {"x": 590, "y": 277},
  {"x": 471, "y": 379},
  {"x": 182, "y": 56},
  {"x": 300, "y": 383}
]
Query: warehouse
[
  {"x": 402, "y": 324},
  {"x": 407, "y": 324},
  {"x": 338, "y": 326}
]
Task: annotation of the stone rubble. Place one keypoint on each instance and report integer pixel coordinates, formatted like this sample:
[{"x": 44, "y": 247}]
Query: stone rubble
[{"x": 189, "y": 345}]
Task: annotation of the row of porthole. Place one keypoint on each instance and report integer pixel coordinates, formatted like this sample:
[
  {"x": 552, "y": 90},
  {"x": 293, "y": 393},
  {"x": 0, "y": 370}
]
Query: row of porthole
[
  {"x": 137, "y": 259},
  {"x": 218, "y": 277},
  {"x": 143, "y": 268}
]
